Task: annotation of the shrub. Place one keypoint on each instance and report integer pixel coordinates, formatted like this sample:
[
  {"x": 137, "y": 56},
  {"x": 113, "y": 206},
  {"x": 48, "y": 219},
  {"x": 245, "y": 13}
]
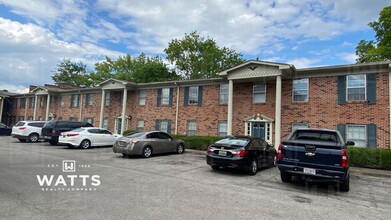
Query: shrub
[
  {"x": 377, "y": 158},
  {"x": 197, "y": 142}
]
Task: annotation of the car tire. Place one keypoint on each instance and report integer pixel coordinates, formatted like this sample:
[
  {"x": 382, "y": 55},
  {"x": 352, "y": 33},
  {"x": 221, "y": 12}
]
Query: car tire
[
  {"x": 180, "y": 149},
  {"x": 147, "y": 152},
  {"x": 286, "y": 177},
  {"x": 34, "y": 137},
  {"x": 274, "y": 163},
  {"x": 253, "y": 168},
  {"x": 85, "y": 144},
  {"x": 215, "y": 167},
  {"x": 53, "y": 142},
  {"x": 345, "y": 185},
  {"x": 22, "y": 140}
]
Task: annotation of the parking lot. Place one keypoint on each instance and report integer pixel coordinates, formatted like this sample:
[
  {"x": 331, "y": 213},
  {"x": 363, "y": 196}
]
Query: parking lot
[{"x": 105, "y": 185}]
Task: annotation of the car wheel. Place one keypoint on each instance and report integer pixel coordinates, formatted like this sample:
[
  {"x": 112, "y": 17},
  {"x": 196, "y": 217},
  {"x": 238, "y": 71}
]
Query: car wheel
[
  {"x": 85, "y": 144},
  {"x": 33, "y": 137},
  {"x": 344, "y": 186},
  {"x": 286, "y": 177},
  {"x": 180, "y": 149},
  {"x": 22, "y": 140},
  {"x": 215, "y": 167},
  {"x": 274, "y": 161},
  {"x": 147, "y": 152},
  {"x": 253, "y": 168}
]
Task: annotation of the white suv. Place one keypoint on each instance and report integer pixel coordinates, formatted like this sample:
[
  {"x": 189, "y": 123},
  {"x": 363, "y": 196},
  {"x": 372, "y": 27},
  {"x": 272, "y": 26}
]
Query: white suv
[{"x": 27, "y": 130}]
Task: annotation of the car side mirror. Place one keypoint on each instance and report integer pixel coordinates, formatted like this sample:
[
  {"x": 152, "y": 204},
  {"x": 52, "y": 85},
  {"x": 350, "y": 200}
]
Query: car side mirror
[{"x": 350, "y": 143}]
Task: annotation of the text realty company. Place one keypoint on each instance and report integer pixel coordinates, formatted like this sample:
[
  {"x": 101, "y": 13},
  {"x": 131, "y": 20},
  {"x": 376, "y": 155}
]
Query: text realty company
[{"x": 69, "y": 182}]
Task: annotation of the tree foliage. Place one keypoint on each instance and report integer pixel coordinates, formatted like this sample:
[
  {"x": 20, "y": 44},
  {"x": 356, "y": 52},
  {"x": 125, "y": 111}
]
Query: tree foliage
[
  {"x": 199, "y": 57},
  {"x": 379, "y": 50},
  {"x": 71, "y": 73}
]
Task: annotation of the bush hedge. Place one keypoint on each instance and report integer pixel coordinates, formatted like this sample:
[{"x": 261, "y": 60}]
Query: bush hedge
[
  {"x": 377, "y": 158},
  {"x": 197, "y": 142}
]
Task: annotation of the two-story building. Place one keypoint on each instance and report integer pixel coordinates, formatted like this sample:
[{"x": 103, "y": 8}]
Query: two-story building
[{"x": 256, "y": 98}]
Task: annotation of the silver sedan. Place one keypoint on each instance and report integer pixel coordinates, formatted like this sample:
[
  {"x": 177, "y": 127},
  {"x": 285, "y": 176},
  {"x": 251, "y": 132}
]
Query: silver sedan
[{"x": 148, "y": 143}]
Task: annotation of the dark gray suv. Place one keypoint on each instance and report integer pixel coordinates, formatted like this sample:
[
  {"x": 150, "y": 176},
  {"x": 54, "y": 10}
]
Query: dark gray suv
[{"x": 52, "y": 129}]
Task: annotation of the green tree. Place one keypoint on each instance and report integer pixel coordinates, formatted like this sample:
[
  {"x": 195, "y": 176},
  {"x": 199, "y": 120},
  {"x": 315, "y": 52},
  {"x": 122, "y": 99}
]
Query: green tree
[
  {"x": 379, "y": 50},
  {"x": 198, "y": 57},
  {"x": 140, "y": 69},
  {"x": 71, "y": 73}
]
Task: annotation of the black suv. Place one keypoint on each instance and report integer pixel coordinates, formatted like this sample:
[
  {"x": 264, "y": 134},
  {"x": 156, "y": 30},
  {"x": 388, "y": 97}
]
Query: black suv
[{"x": 52, "y": 129}]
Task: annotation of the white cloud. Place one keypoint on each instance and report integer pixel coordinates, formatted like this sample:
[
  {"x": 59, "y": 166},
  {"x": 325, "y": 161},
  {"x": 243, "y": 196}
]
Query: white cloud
[
  {"x": 303, "y": 62},
  {"x": 348, "y": 57}
]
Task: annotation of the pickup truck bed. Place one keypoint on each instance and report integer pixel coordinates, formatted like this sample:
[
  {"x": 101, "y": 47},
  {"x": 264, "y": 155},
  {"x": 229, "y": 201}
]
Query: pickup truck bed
[{"x": 314, "y": 154}]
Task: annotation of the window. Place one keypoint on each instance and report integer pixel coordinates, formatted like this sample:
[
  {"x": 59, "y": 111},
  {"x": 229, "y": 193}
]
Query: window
[
  {"x": 62, "y": 101},
  {"x": 357, "y": 133},
  {"x": 107, "y": 98},
  {"x": 356, "y": 86},
  {"x": 222, "y": 130},
  {"x": 75, "y": 100},
  {"x": 163, "y": 125},
  {"x": 89, "y": 120},
  {"x": 23, "y": 103},
  {"x": 30, "y": 118},
  {"x": 300, "y": 90},
  {"x": 299, "y": 125},
  {"x": 72, "y": 119},
  {"x": 41, "y": 101},
  {"x": 89, "y": 100},
  {"x": 259, "y": 93},
  {"x": 142, "y": 95},
  {"x": 165, "y": 98},
  {"x": 105, "y": 123},
  {"x": 140, "y": 125},
  {"x": 52, "y": 99},
  {"x": 223, "y": 93},
  {"x": 14, "y": 103},
  {"x": 193, "y": 95},
  {"x": 31, "y": 102},
  {"x": 191, "y": 128},
  {"x": 21, "y": 118}
]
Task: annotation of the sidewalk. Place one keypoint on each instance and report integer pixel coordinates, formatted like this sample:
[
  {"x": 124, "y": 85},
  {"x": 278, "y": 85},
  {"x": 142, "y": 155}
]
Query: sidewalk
[{"x": 353, "y": 170}]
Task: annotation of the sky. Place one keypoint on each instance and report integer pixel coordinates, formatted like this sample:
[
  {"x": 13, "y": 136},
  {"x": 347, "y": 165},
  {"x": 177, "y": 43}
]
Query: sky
[{"x": 35, "y": 36}]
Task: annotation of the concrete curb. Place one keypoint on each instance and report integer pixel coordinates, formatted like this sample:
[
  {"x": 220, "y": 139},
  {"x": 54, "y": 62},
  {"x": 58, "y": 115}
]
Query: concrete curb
[{"x": 353, "y": 170}]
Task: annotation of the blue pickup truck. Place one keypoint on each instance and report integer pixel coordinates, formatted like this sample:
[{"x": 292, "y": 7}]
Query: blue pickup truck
[{"x": 314, "y": 154}]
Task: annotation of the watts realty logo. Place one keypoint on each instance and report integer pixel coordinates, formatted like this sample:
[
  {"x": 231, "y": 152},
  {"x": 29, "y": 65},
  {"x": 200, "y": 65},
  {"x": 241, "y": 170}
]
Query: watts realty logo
[{"x": 69, "y": 180}]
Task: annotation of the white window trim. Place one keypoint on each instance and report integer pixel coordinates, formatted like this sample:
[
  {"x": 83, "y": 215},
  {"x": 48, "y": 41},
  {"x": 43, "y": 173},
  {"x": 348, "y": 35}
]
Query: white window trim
[
  {"x": 188, "y": 127},
  {"x": 220, "y": 94},
  {"x": 293, "y": 91},
  {"x": 219, "y": 131},
  {"x": 165, "y": 98},
  {"x": 347, "y": 88},
  {"x": 142, "y": 97},
  {"x": 258, "y": 84},
  {"x": 365, "y": 133},
  {"x": 195, "y": 102},
  {"x": 140, "y": 128}
]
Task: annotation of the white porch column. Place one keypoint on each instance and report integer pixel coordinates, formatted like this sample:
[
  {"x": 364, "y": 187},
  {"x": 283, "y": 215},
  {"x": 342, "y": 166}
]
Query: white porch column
[
  {"x": 102, "y": 106},
  {"x": 125, "y": 97},
  {"x": 35, "y": 107},
  {"x": 1, "y": 107},
  {"x": 230, "y": 106},
  {"x": 277, "y": 137},
  {"x": 47, "y": 107}
]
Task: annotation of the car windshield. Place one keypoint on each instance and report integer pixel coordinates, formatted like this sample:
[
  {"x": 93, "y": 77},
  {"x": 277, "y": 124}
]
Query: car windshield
[
  {"x": 137, "y": 134},
  {"x": 233, "y": 141},
  {"x": 78, "y": 130}
]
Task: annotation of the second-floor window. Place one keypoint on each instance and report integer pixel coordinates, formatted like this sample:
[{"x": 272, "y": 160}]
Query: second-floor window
[
  {"x": 31, "y": 102},
  {"x": 89, "y": 100},
  {"x": 62, "y": 101},
  {"x": 142, "y": 95},
  {"x": 75, "y": 100},
  {"x": 193, "y": 95},
  {"x": 41, "y": 101},
  {"x": 356, "y": 87},
  {"x": 22, "y": 103},
  {"x": 259, "y": 93},
  {"x": 165, "y": 98},
  {"x": 300, "y": 90},
  {"x": 107, "y": 98},
  {"x": 223, "y": 94}
]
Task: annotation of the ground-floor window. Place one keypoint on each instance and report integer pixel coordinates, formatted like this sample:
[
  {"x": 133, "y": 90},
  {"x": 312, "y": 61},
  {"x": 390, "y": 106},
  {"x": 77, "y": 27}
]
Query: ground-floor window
[
  {"x": 191, "y": 128},
  {"x": 73, "y": 119},
  {"x": 163, "y": 125},
  {"x": 30, "y": 118},
  {"x": 105, "y": 123},
  {"x": 89, "y": 120},
  {"x": 299, "y": 125},
  {"x": 222, "y": 130},
  {"x": 140, "y": 125},
  {"x": 357, "y": 133}
]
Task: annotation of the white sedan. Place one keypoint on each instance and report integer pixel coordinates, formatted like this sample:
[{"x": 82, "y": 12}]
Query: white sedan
[{"x": 87, "y": 137}]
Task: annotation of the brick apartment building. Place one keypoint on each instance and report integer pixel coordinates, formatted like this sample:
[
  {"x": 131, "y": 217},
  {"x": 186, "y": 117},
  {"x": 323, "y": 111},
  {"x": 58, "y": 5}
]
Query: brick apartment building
[{"x": 256, "y": 98}]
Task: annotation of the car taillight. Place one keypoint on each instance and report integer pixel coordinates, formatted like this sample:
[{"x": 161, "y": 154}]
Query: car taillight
[
  {"x": 72, "y": 135},
  {"x": 209, "y": 150},
  {"x": 240, "y": 153},
  {"x": 53, "y": 132},
  {"x": 279, "y": 152},
  {"x": 22, "y": 128},
  {"x": 344, "y": 162}
]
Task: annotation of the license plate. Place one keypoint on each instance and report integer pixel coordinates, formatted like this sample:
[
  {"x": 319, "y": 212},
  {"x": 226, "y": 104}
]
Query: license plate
[
  {"x": 309, "y": 171},
  {"x": 222, "y": 153}
]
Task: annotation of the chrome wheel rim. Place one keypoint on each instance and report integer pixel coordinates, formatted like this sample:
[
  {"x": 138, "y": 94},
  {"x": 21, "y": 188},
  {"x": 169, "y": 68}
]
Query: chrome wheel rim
[
  {"x": 254, "y": 167},
  {"x": 147, "y": 152},
  {"x": 34, "y": 138},
  {"x": 275, "y": 161},
  {"x": 85, "y": 144},
  {"x": 180, "y": 149}
]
